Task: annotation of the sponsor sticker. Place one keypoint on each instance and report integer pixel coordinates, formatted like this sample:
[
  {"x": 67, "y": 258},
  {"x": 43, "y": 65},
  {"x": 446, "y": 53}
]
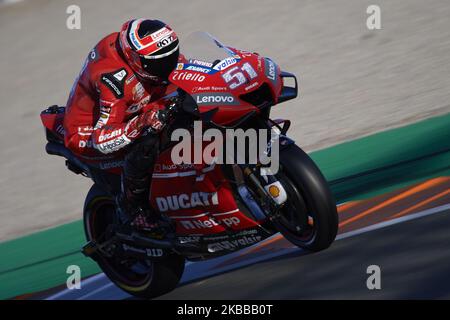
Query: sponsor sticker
[
  {"x": 189, "y": 239},
  {"x": 209, "y": 88},
  {"x": 201, "y": 63},
  {"x": 186, "y": 201},
  {"x": 170, "y": 167},
  {"x": 110, "y": 135},
  {"x": 105, "y": 109},
  {"x": 111, "y": 164},
  {"x": 271, "y": 70},
  {"x": 225, "y": 63},
  {"x": 138, "y": 91},
  {"x": 154, "y": 252},
  {"x": 113, "y": 145},
  {"x": 85, "y": 131},
  {"x": 103, "y": 119},
  {"x": 120, "y": 75},
  {"x": 128, "y": 81},
  {"x": 188, "y": 76},
  {"x": 85, "y": 144},
  {"x": 165, "y": 42},
  {"x": 215, "y": 98},
  {"x": 234, "y": 244},
  {"x": 198, "y": 69},
  {"x": 259, "y": 65},
  {"x": 135, "y": 41},
  {"x": 252, "y": 86},
  {"x": 217, "y": 238},
  {"x": 117, "y": 92},
  {"x": 113, "y": 83},
  {"x": 199, "y": 224},
  {"x": 161, "y": 33},
  {"x": 93, "y": 54},
  {"x": 150, "y": 252}
]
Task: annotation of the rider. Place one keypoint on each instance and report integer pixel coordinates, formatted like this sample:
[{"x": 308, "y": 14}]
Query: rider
[{"x": 106, "y": 116}]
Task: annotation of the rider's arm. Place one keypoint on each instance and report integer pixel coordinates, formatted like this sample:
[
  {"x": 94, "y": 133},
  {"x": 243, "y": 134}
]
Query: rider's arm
[{"x": 112, "y": 130}]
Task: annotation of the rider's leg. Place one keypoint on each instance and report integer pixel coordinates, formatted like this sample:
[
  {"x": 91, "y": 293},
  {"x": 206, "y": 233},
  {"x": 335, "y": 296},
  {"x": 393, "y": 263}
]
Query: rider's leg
[
  {"x": 134, "y": 199},
  {"x": 136, "y": 177},
  {"x": 138, "y": 167}
]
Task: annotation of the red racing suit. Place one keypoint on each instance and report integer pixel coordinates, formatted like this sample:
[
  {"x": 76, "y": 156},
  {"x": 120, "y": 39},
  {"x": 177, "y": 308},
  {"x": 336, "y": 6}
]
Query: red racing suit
[{"x": 107, "y": 103}]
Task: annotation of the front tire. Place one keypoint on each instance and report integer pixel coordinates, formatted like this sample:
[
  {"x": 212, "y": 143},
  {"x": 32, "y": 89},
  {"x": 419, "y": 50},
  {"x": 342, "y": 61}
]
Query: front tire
[
  {"x": 310, "y": 202},
  {"x": 144, "y": 279}
]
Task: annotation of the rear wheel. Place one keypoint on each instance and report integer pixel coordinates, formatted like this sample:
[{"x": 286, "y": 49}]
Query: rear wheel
[
  {"x": 309, "y": 217},
  {"x": 141, "y": 278}
]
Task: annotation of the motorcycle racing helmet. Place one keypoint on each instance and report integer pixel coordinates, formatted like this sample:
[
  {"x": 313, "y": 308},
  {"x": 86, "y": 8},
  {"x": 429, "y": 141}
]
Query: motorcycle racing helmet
[{"x": 150, "y": 47}]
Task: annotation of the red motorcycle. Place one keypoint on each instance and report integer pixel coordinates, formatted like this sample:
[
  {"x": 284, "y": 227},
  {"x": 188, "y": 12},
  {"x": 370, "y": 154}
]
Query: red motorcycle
[{"x": 215, "y": 208}]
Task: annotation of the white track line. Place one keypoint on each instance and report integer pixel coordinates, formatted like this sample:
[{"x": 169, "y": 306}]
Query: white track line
[
  {"x": 92, "y": 293},
  {"x": 349, "y": 234},
  {"x": 85, "y": 282}
]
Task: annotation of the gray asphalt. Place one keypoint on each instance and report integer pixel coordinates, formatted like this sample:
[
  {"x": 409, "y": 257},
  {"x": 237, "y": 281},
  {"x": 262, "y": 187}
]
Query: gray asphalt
[
  {"x": 411, "y": 251},
  {"x": 353, "y": 81},
  {"x": 414, "y": 257}
]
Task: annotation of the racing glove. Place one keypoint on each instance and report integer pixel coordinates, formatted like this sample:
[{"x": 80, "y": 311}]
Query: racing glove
[{"x": 154, "y": 120}]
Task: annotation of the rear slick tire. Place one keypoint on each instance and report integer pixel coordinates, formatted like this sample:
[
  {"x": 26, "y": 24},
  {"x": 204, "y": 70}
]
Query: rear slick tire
[
  {"x": 306, "y": 180},
  {"x": 162, "y": 277}
]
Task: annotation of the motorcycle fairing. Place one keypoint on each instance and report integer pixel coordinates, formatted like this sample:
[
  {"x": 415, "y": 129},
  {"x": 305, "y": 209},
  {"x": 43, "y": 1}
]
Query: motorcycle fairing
[
  {"x": 226, "y": 242},
  {"x": 52, "y": 118},
  {"x": 198, "y": 197},
  {"x": 220, "y": 77}
]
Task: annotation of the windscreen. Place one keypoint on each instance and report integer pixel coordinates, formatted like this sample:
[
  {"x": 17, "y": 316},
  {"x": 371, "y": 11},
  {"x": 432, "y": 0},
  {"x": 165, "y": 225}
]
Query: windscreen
[{"x": 201, "y": 47}]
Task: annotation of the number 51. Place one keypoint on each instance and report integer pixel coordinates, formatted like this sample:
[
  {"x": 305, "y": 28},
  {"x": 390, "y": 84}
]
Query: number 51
[{"x": 236, "y": 77}]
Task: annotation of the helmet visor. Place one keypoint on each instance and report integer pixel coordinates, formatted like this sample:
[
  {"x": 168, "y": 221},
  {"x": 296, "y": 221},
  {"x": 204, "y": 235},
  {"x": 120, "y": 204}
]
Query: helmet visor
[{"x": 161, "y": 67}]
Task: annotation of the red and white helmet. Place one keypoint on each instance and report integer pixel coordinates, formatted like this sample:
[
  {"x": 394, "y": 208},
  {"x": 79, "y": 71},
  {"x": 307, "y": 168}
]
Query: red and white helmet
[{"x": 150, "y": 47}]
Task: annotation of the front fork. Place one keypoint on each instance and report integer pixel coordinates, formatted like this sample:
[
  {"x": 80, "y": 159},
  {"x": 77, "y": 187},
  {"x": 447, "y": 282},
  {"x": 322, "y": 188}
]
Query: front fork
[{"x": 271, "y": 193}]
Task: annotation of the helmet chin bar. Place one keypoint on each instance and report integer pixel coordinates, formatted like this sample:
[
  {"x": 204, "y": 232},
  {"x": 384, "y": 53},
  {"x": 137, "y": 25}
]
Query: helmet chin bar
[
  {"x": 143, "y": 74},
  {"x": 148, "y": 77},
  {"x": 152, "y": 79}
]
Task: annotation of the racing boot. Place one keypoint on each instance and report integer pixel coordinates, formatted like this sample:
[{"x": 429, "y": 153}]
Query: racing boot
[{"x": 133, "y": 207}]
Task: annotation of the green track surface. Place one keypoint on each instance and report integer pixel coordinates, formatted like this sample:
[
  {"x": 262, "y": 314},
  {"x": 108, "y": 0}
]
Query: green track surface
[{"x": 39, "y": 261}]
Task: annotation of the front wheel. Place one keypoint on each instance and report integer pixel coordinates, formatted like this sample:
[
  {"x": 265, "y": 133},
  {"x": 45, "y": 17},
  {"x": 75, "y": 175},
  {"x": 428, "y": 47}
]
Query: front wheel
[
  {"x": 309, "y": 217},
  {"x": 140, "y": 278}
]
